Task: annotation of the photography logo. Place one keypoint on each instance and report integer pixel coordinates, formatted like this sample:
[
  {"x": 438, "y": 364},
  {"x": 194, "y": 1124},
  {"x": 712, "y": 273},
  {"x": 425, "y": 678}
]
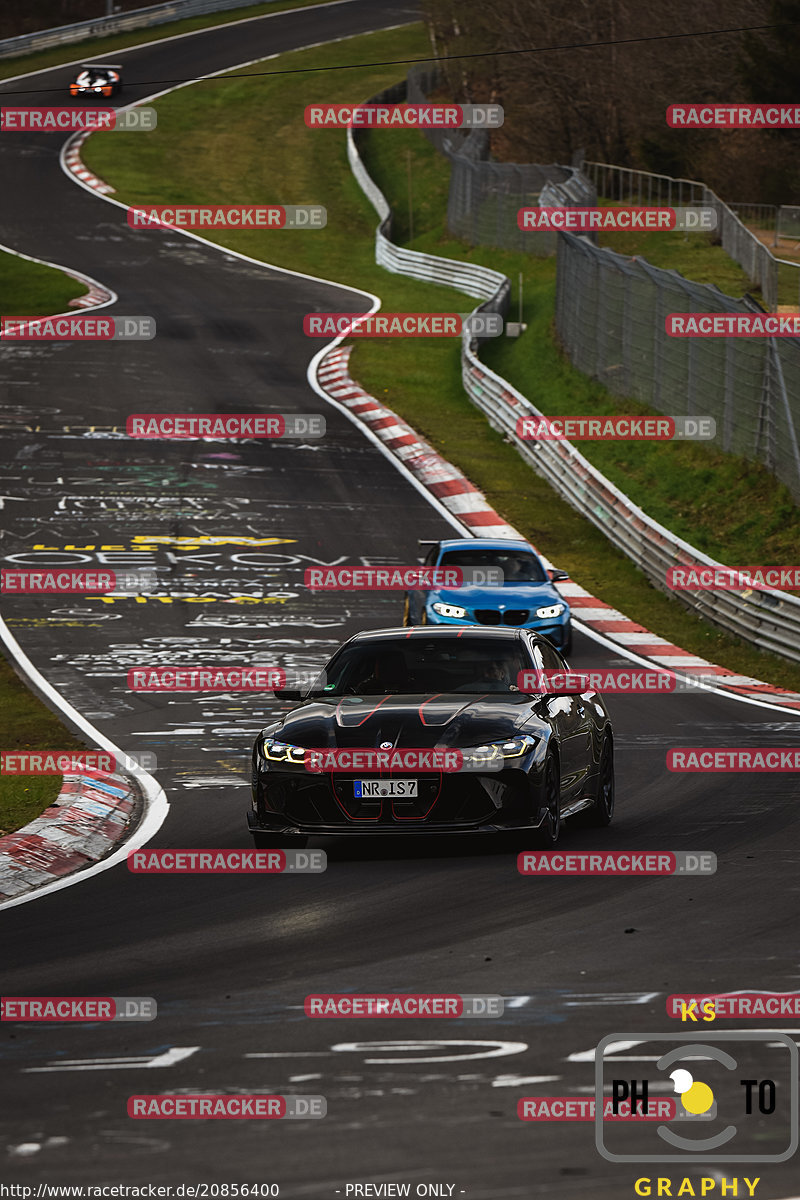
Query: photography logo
[{"x": 736, "y": 1093}]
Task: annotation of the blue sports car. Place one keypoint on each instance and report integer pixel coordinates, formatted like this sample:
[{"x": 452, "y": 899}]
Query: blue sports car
[{"x": 526, "y": 598}]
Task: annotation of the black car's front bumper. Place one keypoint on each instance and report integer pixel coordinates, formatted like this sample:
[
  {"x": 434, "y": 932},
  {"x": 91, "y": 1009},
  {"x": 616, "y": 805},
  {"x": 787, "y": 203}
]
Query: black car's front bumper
[
  {"x": 407, "y": 829},
  {"x": 286, "y": 802}
]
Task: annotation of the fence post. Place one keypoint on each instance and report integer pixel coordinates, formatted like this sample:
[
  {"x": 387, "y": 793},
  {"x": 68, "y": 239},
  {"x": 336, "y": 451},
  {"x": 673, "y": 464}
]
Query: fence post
[
  {"x": 728, "y": 401},
  {"x": 765, "y": 432}
]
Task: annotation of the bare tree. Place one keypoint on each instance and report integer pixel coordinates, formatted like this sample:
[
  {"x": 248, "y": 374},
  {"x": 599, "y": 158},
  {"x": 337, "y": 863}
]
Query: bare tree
[{"x": 599, "y": 75}]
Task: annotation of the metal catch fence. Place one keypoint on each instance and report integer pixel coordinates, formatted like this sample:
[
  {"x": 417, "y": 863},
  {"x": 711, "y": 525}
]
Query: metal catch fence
[{"x": 611, "y": 319}]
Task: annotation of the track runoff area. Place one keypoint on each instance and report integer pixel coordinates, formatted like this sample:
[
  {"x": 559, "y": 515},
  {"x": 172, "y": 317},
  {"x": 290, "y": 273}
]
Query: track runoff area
[{"x": 615, "y": 1015}]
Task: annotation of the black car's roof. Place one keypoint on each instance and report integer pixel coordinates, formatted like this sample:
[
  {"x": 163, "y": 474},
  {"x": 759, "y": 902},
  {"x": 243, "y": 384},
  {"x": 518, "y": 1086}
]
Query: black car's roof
[{"x": 442, "y": 632}]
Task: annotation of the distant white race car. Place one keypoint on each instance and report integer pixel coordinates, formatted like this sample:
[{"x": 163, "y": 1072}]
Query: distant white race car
[{"x": 97, "y": 79}]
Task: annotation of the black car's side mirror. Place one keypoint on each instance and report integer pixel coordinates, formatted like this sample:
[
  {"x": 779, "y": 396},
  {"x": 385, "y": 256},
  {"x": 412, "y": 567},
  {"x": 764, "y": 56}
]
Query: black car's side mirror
[
  {"x": 288, "y": 694},
  {"x": 556, "y": 576}
]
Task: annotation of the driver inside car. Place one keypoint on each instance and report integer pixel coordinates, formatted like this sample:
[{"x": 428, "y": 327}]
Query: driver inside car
[
  {"x": 389, "y": 676},
  {"x": 493, "y": 675}
]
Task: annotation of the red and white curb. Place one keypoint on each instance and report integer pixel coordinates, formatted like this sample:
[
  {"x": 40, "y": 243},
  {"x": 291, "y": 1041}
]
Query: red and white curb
[
  {"x": 76, "y": 167},
  {"x": 461, "y": 498},
  {"x": 441, "y": 478},
  {"x": 91, "y": 814},
  {"x": 97, "y": 294}
]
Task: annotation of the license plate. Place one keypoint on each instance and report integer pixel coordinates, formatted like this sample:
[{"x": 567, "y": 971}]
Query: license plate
[{"x": 363, "y": 789}]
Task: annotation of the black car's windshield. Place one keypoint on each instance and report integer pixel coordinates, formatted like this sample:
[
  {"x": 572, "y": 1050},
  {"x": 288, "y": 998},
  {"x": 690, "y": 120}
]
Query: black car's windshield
[
  {"x": 518, "y": 566},
  {"x": 414, "y": 666}
]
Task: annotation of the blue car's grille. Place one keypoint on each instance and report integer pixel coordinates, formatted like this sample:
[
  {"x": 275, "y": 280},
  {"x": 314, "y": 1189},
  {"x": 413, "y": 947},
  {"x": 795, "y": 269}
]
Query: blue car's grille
[{"x": 490, "y": 616}]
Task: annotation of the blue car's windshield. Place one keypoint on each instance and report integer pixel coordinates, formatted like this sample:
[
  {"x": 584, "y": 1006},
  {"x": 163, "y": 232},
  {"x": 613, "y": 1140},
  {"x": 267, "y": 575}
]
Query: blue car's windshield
[
  {"x": 517, "y": 566},
  {"x": 416, "y": 666}
]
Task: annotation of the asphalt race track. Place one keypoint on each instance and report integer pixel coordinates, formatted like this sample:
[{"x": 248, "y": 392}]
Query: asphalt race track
[{"x": 230, "y": 958}]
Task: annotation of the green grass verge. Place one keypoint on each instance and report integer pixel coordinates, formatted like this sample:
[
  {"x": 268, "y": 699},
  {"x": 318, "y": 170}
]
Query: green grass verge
[
  {"x": 698, "y": 258},
  {"x": 420, "y": 379},
  {"x": 690, "y": 253},
  {"x": 27, "y": 725},
  {"x": 31, "y": 289},
  {"x": 92, "y": 47}
]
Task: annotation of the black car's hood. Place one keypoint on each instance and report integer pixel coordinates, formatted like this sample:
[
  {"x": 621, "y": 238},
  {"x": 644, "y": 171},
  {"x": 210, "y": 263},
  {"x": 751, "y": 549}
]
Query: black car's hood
[{"x": 409, "y": 721}]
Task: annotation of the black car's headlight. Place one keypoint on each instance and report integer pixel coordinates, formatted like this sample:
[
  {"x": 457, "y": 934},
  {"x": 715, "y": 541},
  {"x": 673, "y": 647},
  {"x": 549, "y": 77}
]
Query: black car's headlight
[
  {"x": 273, "y": 750},
  {"x": 493, "y": 756}
]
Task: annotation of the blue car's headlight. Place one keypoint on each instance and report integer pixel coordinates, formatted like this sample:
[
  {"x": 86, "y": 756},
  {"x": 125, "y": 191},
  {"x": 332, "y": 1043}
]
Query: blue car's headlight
[
  {"x": 274, "y": 751},
  {"x": 552, "y": 610},
  {"x": 449, "y": 610},
  {"x": 492, "y": 756}
]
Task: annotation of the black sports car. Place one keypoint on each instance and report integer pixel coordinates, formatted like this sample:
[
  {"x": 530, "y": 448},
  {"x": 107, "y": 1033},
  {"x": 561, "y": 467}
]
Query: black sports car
[
  {"x": 504, "y": 759},
  {"x": 96, "y": 79}
]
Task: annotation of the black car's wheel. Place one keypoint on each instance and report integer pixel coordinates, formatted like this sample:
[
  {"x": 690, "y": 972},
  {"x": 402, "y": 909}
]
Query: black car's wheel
[
  {"x": 279, "y": 841},
  {"x": 548, "y": 831},
  {"x": 603, "y": 809},
  {"x": 407, "y": 611}
]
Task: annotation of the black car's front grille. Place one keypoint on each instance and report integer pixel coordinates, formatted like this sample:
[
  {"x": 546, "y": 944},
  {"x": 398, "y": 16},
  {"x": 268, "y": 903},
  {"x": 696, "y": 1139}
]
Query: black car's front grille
[
  {"x": 512, "y": 616},
  {"x": 443, "y": 799}
]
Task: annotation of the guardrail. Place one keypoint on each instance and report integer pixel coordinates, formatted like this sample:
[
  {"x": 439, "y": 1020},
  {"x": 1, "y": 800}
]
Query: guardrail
[
  {"x": 770, "y": 621},
  {"x": 482, "y": 283},
  {"x": 155, "y": 14}
]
